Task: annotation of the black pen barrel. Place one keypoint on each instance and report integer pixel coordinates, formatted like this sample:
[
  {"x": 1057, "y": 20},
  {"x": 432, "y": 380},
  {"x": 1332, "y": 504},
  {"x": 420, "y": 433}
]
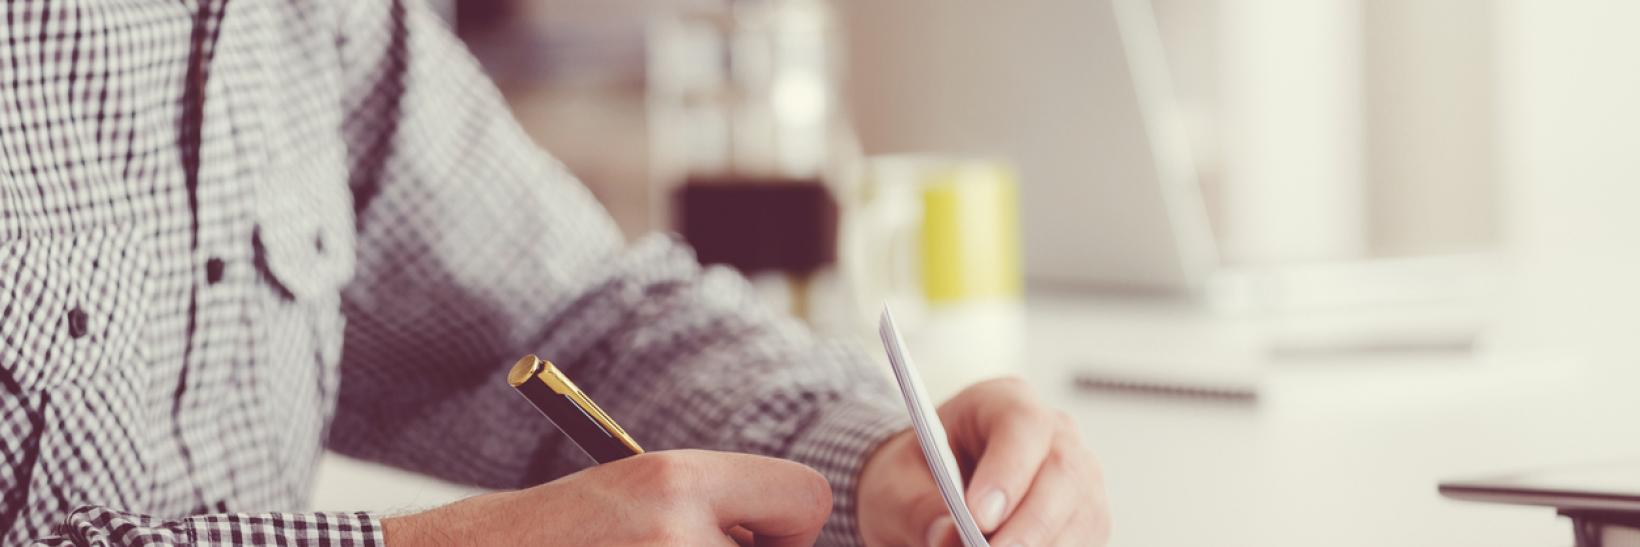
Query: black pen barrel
[
  {"x": 571, "y": 410},
  {"x": 577, "y": 425}
]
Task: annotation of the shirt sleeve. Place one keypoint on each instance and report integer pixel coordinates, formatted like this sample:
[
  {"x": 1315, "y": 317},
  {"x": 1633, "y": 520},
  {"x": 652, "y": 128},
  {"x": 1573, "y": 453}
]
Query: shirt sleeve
[
  {"x": 476, "y": 248},
  {"x": 96, "y": 526}
]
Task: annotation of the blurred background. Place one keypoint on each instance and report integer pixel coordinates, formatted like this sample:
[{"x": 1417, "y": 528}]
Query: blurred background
[{"x": 1289, "y": 262}]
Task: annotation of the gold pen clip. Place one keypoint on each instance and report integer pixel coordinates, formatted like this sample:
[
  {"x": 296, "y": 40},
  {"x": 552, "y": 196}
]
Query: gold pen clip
[{"x": 535, "y": 367}]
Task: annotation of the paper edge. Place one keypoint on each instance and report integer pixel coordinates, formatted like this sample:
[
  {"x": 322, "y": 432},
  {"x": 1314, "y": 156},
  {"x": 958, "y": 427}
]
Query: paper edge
[{"x": 925, "y": 419}]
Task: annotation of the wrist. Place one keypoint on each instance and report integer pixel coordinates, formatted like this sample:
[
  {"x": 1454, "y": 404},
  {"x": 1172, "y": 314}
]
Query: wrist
[
  {"x": 402, "y": 531},
  {"x": 438, "y": 526},
  {"x": 885, "y": 497},
  {"x": 839, "y": 444},
  {"x": 878, "y": 468}
]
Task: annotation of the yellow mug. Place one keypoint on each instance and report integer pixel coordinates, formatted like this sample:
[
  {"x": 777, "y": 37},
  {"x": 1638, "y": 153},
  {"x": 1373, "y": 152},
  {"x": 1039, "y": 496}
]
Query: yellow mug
[{"x": 929, "y": 231}]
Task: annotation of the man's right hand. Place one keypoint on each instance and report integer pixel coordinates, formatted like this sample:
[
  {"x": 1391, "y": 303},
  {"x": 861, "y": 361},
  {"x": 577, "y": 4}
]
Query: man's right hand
[{"x": 678, "y": 497}]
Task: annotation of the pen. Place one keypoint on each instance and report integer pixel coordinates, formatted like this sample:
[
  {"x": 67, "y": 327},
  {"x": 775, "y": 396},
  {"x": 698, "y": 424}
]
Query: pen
[{"x": 570, "y": 410}]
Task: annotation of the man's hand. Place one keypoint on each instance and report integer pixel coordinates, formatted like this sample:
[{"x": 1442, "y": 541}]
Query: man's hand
[
  {"x": 681, "y": 497},
  {"x": 1031, "y": 482}
]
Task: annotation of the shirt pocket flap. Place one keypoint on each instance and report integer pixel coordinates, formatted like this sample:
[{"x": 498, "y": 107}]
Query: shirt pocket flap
[{"x": 304, "y": 239}]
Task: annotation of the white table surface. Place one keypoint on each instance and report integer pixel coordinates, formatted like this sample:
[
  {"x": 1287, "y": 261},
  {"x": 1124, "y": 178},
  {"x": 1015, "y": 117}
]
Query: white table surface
[{"x": 1339, "y": 452}]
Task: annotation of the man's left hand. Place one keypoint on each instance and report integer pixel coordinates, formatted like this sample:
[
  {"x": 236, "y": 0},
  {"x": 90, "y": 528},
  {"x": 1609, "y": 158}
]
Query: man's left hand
[{"x": 1031, "y": 481}]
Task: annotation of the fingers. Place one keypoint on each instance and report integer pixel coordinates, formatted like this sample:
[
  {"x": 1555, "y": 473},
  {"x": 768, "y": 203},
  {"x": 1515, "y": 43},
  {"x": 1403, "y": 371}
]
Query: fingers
[
  {"x": 782, "y": 503},
  {"x": 1092, "y": 529},
  {"x": 938, "y": 530},
  {"x": 1011, "y": 433},
  {"x": 943, "y": 533},
  {"x": 742, "y": 536},
  {"x": 1015, "y": 447},
  {"x": 1066, "y": 504},
  {"x": 1032, "y": 483},
  {"x": 1089, "y": 527},
  {"x": 1044, "y": 517}
]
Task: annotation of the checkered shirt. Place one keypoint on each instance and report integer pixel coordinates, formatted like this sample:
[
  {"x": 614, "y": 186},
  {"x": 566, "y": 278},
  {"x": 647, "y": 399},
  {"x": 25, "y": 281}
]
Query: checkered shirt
[{"x": 234, "y": 233}]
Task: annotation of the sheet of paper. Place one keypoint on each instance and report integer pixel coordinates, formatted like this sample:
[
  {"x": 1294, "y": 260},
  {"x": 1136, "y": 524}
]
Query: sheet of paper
[{"x": 930, "y": 433}]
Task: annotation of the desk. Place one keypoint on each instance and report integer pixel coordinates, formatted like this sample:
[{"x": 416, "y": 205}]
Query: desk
[
  {"x": 1345, "y": 452},
  {"x": 1337, "y": 452}
]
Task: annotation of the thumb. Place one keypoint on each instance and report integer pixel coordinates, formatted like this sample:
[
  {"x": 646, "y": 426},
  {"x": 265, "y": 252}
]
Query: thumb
[
  {"x": 937, "y": 528},
  {"x": 899, "y": 503}
]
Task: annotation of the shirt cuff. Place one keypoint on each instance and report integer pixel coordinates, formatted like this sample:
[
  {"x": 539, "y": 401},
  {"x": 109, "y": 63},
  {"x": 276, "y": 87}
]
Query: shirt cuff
[
  {"x": 338, "y": 529},
  {"x": 837, "y": 445}
]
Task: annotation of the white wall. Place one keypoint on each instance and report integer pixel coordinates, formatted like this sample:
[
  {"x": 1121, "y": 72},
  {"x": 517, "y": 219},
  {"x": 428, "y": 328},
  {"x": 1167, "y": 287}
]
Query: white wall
[
  {"x": 1430, "y": 115},
  {"x": 1343, "y": 128},
  {"x": 1291, "y": 134},
  {"x": 1570, "y": 106}
]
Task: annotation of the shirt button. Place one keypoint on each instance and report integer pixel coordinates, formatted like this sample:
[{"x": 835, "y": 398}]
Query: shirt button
[
  {"x": 213, "y": 270},
  {"x": 77, "y": 322},
  {"x": 319, "y": 243}
]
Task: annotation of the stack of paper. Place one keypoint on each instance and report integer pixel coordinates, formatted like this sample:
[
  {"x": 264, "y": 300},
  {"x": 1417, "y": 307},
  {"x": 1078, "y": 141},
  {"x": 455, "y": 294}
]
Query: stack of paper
[{"x": 930, "y": 433}]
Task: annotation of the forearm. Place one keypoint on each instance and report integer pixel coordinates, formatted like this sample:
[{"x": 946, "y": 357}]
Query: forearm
[{"x": 685, "y": 356}]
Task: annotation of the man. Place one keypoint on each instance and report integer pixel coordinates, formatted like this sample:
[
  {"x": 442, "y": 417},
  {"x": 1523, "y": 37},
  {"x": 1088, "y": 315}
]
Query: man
[{"x": 236, "y": 232}]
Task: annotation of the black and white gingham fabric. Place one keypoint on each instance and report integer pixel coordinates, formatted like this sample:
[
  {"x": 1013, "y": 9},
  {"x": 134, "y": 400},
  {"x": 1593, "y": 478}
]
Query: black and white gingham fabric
[{"x": 236, "y": 232}]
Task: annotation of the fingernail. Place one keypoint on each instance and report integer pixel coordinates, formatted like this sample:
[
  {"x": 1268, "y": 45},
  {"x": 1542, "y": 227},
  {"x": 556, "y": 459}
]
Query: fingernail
[
  {"x": 991, "y": 507},
  {"x": 936, "y": 531}
]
